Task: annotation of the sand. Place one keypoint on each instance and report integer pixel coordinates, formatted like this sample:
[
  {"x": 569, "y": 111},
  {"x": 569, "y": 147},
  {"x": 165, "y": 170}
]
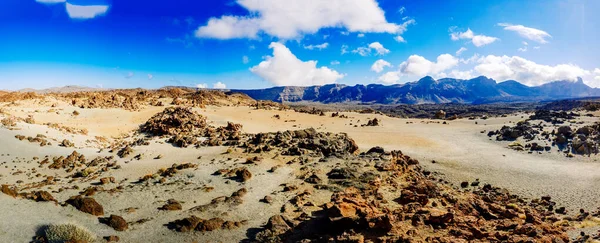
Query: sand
[{"x": 460, "y": 151}]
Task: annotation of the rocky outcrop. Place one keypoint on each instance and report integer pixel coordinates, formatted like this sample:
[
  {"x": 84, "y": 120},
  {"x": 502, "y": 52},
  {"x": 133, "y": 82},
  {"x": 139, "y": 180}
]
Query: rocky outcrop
[
  {"x": 185, "y": 127},
  {"x": 424, "y": 210},
  {"x": 303, "y": 142}
]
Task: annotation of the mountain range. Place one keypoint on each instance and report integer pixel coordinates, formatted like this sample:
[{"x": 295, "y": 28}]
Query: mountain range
[{"x": 427, "y": 90}]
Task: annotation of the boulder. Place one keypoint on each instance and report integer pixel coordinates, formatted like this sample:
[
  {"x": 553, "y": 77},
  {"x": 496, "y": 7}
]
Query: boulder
[
  {"x": 440, "y": 115},
  {"x": 117, "y": 222},
  {"x": 243, "y": 175},
  {"x": 210, "y": 225},
  {"x": 86, "y": 205},
  {"x": 171, "y": 205}
]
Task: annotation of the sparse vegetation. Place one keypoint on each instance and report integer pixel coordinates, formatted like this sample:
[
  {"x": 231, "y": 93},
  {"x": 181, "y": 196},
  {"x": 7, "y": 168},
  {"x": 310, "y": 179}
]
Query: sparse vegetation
[{"x": 69, "y": 232}]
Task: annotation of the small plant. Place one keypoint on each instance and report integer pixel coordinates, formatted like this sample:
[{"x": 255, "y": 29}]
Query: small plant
[{"x": 69, "y": 232}]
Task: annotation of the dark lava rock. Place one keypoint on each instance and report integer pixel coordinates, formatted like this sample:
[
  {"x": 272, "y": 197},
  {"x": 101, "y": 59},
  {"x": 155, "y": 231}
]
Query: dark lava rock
[{"x": 86, "y": 205}]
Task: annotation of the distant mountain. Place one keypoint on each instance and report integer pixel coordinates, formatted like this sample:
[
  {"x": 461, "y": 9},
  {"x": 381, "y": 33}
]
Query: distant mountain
[{"x": 428, "y": 90}]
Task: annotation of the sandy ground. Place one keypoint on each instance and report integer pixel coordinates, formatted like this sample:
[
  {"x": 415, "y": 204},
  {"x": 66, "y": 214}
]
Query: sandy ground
[
  {"x": 461, "y": 153},
  {"x": 459, "y": 148}
]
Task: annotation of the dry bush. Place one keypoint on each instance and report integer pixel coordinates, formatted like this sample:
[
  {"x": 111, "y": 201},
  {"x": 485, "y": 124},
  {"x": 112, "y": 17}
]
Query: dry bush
[{"x": 69, "y": 232}]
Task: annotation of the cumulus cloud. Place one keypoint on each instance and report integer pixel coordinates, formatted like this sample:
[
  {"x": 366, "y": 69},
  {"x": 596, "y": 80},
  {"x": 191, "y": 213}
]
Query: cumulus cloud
[
  {"x": 245, "y": 60},
  {"x": 360, "y": 35},
  {"x": 417, "y": 66},
  {"x": 471, "y": 59},
  {"x": 202, "y": 86},
  {"x": 317, "y": 47},
  {"x": 150, "y": 76},
  {"x": 460, "y": 51},
  {"x": 525, "y": 71},
  {"x": 293, "y": 18},
  {"x": 477, "y": 40},
  {"x": 285, "y": 69},
  {"x": 420, "y": 66},
  {"x": 390, "y": 77},
  {"x": 597, "y": 74},
  {"x": 379, "y": 49},
  {"x": 379, "y": 65},
  {"x": 219, "y": 85},
  {"x": 457, "y": 74},
  {"x": 367, "y": 50},
  {"x": 86, "y": 12},
  {"x": 529, "y": 33}
]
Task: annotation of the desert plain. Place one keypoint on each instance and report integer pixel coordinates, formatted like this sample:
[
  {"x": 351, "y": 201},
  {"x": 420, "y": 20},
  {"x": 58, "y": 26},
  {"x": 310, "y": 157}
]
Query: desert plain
[{"x": 178, "y": 165}]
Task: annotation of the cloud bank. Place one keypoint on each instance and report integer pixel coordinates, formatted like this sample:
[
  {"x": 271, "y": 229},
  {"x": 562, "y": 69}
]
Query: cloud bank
[{"x": 294, "y": 18}]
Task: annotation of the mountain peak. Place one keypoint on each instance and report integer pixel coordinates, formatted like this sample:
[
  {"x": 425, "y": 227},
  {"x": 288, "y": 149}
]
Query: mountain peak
[
  {"x": 427, "y": 80},
  {"x": 428, "y": 90}
]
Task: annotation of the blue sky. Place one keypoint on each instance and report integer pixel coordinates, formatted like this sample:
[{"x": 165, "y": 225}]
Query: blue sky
[{"x": 264, "y": 43}]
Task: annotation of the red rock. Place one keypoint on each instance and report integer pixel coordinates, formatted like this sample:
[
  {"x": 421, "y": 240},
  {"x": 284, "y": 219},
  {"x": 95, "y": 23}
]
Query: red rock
[{"x": 86, "y": 205}]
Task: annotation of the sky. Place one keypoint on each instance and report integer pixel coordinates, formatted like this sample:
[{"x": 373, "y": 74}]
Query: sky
[{"x": 245, "y": 44}]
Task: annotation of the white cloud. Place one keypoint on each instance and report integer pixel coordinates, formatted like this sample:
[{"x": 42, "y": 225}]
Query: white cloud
[
  {"x": 344, "y": 49},
  {"x": 335, "y": 62},
  {"x": 482, "y": 40},
  {"x": 50, "y": 1},
  {"x": 317, "y": 47},
  {"x": 525, "y": 71},
  {"x": 457, "y": 74},
  {"x": 245, "y": 60},
  {"x": 400, "y": 39},
  {"x": 597, "y": 74},
  {"x": 404, "y": 27},
  {"x": 460, "y": 51},
  {"x": 229, "y": 27},
  {"x": 522, "y": 49},
  {"x": 390, "y": 77},
  {"x": 293, "y": 18},
  {"x": 402, "y": 10},
  {"x": 419, "y": 66},
  {"x": 525, "y": 43},
  {"x": 86, "y": 12},
  {"x": 202, "y": 86},
  {"x": 379, "y": 65},
  {"x": 150, "y": 76},
  {"x": 365, "y": 51},
  {"x": 470, "y": 60},
  {"x": 529, "y": 33},
  {"x": 129, "y": 75},
  {"x": 477, "y": 40},
  {"x": 285, "y": 69},
  {"x": 378, "y": 47},
  {"x": 219, "y": 85},
  {"x": 360, "y": 35}
]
